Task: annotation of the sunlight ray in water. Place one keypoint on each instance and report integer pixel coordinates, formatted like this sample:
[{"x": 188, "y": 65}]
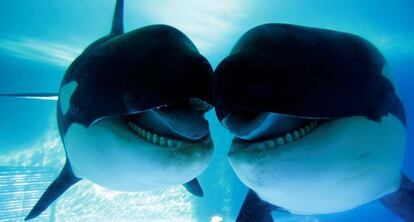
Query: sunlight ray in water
[
  {"x": 207, "y": 23},
  {"x": 42, "y": 51}
]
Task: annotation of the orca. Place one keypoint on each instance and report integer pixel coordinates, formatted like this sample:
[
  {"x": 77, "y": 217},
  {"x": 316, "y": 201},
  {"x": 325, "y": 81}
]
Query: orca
[
  {"x": 318, "y": 125},
  {"x": 130, "y": 112}
]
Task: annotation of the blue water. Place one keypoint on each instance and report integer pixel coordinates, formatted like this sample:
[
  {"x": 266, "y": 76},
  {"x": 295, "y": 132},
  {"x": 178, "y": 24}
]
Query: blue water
[{"x": 39, "y": 39}]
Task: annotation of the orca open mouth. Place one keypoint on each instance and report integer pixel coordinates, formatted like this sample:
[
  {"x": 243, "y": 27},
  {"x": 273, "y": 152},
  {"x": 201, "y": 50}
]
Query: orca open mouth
[
  {"x": 172, "y": 126},
  {"x": 269, "y": 130}
]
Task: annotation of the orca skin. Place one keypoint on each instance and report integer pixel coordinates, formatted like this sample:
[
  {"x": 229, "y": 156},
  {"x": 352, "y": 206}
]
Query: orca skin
[
  {"x": 339, "y": 126},
  {"x": 155, "y": 68}
]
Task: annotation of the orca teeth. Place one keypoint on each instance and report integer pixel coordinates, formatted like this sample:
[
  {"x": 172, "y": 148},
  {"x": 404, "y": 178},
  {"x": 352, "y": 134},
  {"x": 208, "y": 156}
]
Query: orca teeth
[
  {"x": 287, "y": 138},
  {"x": 156, "y": 139}
]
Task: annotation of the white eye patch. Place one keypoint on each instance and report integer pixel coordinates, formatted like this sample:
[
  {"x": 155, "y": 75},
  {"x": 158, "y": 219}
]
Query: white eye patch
[{"x": 65, "y": 94}]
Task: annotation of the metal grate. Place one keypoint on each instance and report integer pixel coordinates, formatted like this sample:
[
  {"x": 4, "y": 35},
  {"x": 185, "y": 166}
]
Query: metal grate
[{"x": 20, "y": 188}]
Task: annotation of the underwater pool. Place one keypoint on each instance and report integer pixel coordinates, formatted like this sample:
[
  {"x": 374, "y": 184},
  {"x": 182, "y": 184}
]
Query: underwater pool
[{"x": 40, "y": 39}]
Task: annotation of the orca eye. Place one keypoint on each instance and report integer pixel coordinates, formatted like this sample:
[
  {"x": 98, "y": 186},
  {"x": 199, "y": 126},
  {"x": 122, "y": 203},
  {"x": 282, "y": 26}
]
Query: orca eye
[{"x": 75, "y": 107}]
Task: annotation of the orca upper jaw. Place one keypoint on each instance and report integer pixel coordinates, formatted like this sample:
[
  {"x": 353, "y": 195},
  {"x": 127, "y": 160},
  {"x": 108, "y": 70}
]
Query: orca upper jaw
[
  {"x": 280, "y": 140},
  {"x": 165, "y": 141},
  {"x": 341, "y": 164},
  {"x": 160, "y": 140},
  {"x": 120, "y": 155}
]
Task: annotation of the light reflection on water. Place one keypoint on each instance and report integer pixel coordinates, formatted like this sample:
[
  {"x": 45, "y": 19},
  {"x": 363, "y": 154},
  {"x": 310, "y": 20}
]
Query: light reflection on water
[
  {"x": 89, "y": 202},
  {"x": 26, "y": 173},
  {"x": 20, "y": 187}
]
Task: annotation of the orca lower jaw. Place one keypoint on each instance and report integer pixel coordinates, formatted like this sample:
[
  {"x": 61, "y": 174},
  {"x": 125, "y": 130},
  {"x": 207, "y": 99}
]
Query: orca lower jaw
[
  {"x": 342, "y": 164},
  {"x": 111, "y": 154},
  {"x": 279, "y": 140}
]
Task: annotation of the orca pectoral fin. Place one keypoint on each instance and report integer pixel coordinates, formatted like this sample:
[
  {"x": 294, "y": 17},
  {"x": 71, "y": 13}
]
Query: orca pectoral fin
[
  {"x": 255, "y": 209},
  {"x": 65, "y": 180},
  {"x": 38, "y": 96},
  {"x": 401, "y": 202},
  {"x": 194, "y": 187}
]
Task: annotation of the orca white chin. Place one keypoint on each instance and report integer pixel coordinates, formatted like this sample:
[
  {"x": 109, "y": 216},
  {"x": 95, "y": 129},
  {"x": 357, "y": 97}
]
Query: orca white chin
[
  {"x": 339, "y": 165},
  {"x": 123, "y": 156}
]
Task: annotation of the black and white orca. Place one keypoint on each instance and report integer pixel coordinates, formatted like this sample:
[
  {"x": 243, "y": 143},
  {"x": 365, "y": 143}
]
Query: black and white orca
[
  {"x": 318, "y": 125},
  {"x": 131, "y": 113}
]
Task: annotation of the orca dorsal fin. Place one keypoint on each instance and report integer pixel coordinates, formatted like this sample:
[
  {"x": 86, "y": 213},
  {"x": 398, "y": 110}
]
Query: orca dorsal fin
[
  {"x": 63, "y": 182},
  {"x": 39, "y": 96},
  {"x": 118, "y": 19},
  {"x": 255, "y": 209},
  {"x": 401, "y": 202},
  {"x": 194, "y": 187}
]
